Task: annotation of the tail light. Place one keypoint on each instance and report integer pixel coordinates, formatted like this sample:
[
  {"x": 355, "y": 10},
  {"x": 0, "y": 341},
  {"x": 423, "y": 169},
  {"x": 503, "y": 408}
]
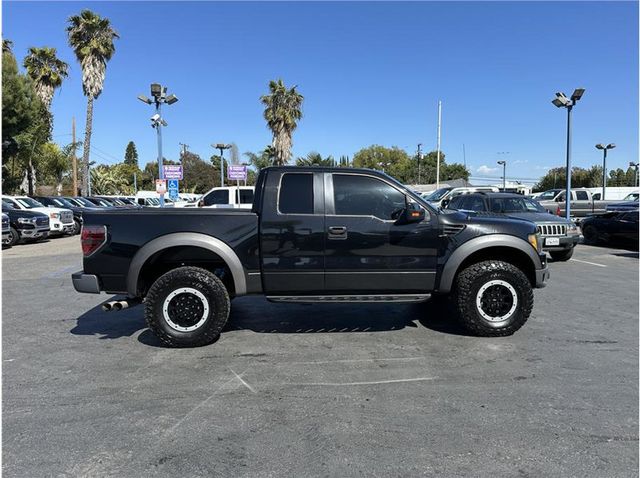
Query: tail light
[
  {"x": 558, "y": 211},
  {"x": 92, "y": 238}
]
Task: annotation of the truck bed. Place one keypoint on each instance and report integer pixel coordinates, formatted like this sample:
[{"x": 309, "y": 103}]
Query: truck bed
[{"x": 129, "y": 230}]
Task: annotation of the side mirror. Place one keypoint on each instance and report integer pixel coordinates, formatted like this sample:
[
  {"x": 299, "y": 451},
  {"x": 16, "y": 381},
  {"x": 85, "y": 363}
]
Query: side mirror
[
  {"x": 201, "y": 203},
  {"x": 412, "y": 213},
  {"x": 445, "y": 203}
]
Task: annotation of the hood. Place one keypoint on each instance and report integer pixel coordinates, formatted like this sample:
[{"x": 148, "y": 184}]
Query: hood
[
  {"x": 23, "y": 213},
  {"x": 489, "y": 223},
  {"x": 538, "y": 217}
]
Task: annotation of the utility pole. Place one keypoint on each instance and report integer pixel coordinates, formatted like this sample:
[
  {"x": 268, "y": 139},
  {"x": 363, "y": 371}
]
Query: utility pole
[
  {"x": 184, "y": 149},
  {"x": 419, "y": 161},
  {"x": 135, "y": 183},
  {"x": 74, "y": 159},
  {"x": 438, "y": 153}
]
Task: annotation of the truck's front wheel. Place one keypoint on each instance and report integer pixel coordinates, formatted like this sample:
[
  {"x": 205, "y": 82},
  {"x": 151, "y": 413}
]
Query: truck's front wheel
[
  {"x": 187, "y": 307},
  {"x": 493, "y": 298}
]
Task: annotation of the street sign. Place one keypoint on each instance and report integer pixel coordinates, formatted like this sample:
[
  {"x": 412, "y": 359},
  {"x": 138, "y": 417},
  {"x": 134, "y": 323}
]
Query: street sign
[
  {"x": 161, "y": 186},
  {"x": 236, "y": 173},
  {"x": 172, "y": 187},
  {"x": 172, "y": 171}
]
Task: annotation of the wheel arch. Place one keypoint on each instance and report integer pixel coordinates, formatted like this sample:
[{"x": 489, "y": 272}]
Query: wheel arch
[
  {"x": 186, "y": 240},
  {"x": 494, "y": 246}
]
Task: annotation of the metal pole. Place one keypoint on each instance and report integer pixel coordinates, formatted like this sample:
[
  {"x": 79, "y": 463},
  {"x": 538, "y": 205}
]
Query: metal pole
[
  {"x": 159, "y": 128},
  {"x": 604, "y": 173},
  {"x": 504, "y": 177},
  {"x": 74, "y": 160},
  {"x": 419, "y": 161},
  {"x": 221, "y": 167},
  {"x": 135, "y": 183},
  {"x": 438, "y": 154},
  {"x": 568, "y": 190}
]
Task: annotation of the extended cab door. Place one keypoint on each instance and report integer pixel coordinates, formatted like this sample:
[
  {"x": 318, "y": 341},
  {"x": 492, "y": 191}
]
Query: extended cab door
[
  {"x": 292, "y": 233},
  {"x": 368, "y": 251}
]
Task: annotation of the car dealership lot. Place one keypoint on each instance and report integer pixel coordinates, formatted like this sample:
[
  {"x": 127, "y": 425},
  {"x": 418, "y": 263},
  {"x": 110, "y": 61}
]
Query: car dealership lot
[{"x": 320, "y": 390}]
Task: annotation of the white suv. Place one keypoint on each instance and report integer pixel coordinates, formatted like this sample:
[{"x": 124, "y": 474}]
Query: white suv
[{"x": 60, "y": 220}]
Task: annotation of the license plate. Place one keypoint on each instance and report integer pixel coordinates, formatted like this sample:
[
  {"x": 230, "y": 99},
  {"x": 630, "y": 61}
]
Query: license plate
[{"x": 552, "y": 241}]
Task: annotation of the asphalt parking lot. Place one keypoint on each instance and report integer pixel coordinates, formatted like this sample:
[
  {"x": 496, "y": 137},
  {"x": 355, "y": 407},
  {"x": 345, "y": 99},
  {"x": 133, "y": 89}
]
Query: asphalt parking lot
[{"x": 320, "y": 390}]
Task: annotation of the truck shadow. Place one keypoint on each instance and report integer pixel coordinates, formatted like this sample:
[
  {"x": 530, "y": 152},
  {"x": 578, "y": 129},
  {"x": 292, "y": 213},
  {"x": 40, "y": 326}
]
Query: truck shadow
[{"x": 258, "y": 315}]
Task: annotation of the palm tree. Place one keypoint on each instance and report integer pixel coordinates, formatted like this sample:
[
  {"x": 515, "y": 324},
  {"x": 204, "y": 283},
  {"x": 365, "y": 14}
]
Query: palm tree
[
  {"x": 46, "y": 70},
  {"x": 315, "y": 159},
  {"x": 91, "y": 38},
  {"x": 282, "y": 111},
  {"x": 7, "y": 46},
  {"x": 263, "y": 159}
]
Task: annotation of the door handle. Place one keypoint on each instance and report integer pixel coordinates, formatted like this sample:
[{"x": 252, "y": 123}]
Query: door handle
[{"x": 337, "y": 232}]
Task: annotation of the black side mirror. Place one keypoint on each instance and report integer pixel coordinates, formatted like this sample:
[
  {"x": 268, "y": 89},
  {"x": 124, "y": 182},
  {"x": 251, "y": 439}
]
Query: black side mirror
[
  {"x": 445, "y": 203},
  {"x": 412, "y": 213}
]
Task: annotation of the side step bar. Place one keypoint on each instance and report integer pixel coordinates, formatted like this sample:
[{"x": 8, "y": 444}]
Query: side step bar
[{"x": 307, "y": 299}]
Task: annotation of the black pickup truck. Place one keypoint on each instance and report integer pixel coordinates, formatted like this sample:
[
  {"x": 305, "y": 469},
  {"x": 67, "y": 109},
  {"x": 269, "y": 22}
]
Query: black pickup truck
[{"x": 313, "y": 235}]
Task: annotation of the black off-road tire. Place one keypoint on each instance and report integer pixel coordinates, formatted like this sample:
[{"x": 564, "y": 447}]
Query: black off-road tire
[
  {"x": 561, "y": 256},
  {"x": 466, "y": 291},
  {"x": 207, "y": 284},
  {"x": 590, "y": 234},
  {"x": 14, "y": 238}
]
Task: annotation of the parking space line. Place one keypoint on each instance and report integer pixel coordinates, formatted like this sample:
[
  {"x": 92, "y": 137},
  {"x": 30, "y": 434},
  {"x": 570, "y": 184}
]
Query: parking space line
[
  {"x": 239, "y": 377},
  {"x": 590, "y": 263},
  {"x": 348, "y": 384},
  {"x": 354, "y": 360}
]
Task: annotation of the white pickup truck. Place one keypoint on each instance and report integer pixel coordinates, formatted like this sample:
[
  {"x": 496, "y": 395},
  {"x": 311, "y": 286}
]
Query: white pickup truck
[
  {"x": 228, "y": 196},
  {"x": 60, "y": 219},
  {"x": 582, "y": 202}
]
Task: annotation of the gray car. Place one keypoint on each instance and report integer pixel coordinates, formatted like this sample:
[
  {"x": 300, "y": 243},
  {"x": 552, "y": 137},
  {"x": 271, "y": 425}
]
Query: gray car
[{"x": 559, "y": 236}]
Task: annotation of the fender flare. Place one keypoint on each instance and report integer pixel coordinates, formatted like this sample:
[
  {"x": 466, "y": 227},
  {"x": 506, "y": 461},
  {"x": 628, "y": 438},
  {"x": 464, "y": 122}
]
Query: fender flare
[
  {"x": 477, "y": 244},
  {"x": 187, "y": 239}
]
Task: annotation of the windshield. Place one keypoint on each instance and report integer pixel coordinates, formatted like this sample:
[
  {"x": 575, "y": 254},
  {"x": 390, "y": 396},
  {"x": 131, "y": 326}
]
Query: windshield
[
  {"x": 154, "y": 201},
  {"x": 437, "y": 194},
  {"x": 548, "y": 194},
  {"x": 61, "y": 202},
  {"x": 28, "y": 203},
  {"x": 82, "y": 202},
  {"x": 631, "y": 197},
  {"x": 515, "y": 205}
]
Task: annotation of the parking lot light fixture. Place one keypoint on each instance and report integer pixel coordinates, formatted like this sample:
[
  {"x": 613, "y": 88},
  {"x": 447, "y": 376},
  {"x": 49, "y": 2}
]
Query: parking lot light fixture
[
  {"x": 635, "y": 166},
  {"x": 561, "y": 101},
  {"x": 221, "y": 147},
  {"x": 604, "y": 165},
  {"x": 159, "y": 94}
]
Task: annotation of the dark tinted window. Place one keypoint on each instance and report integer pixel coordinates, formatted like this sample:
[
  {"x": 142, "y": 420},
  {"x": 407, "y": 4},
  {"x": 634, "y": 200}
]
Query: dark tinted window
[
  {"x": 455, "y": 203},
  {"x": 472, "y": 203},
  {"x": 364, "y": 196},
  {"x": 582, "y": 195},
  {"x": 221, "y": 196},
  {"x": 296, "y": 194},
  {"x": 246, "y": 196}
]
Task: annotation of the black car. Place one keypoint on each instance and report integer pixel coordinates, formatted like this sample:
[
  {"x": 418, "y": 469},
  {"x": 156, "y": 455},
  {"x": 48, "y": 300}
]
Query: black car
[
  {"x": 25, "y": 225},
  {"x": 313, "y": 234},
  {"x": 559, "y": 236},
  {"x": 611, "y": 227},
  {"x": 58, "y": 201},
  {"x": 85, "y": 203}
]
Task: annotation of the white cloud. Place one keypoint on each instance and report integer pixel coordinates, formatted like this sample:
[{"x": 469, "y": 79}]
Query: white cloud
[{"x": 484, "y": 169}]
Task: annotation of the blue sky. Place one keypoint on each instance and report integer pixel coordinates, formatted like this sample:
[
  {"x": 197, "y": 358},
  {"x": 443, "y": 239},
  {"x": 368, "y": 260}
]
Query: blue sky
[{"x": 371, "y": 73}]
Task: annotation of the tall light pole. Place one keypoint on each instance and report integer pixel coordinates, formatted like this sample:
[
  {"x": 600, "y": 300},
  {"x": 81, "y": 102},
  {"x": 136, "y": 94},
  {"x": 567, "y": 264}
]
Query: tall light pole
[
  {"x": 438, "y": 151},
  {"x": 504, "y": 175},
  {"x": 635, "y": 166},
  {"x": 160, "y": 96},
  {"x": 561, "y": 101},
  {"x": 221, "y": 147},
  {"x": 604, "y": 165},
  {"x": 419, "y": 161}
]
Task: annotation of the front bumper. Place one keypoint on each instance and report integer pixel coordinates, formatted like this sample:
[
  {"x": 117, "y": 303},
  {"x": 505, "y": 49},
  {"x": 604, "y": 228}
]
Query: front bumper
[
  {"x": 564, "y": 242},
  {"x": 86, "y": 283},
  {"x": 61, "y": 228},
  {"x": 542, "y": 274},
  {"x": 33, "y": 233}
]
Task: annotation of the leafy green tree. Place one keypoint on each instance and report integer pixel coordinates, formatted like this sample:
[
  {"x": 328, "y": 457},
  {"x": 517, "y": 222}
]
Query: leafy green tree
[
  {"x": 261, "y": 160},
  {"x": 47, "y": 72},
  {"x": 131, "y": 154},
  {"x": 282, "y": 111},
  {"x": 344, "y": 162},
  {"x": 108, "y": 180},
  {"x": 393, "y": 161},
  {"x": 55, "y": 163},
  {"x": 26, "y": 125},
  {"x": 91, "y": 38},
  {"x": 315, "y": 159},
  {"x": 199, "y": 176}
]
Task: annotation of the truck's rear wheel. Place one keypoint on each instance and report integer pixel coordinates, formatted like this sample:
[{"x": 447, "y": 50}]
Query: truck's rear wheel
[
  {"x": 493, "y": 298},
  {"x": 187, "y": 307}
]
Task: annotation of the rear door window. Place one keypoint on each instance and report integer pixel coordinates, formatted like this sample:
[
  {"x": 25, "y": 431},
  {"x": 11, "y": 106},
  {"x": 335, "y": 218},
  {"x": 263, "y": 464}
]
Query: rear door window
[
  {"x": 220, "y": 196},
  {"x": 244, "y": 196},
  {"x": 296, "y": 194},
  {"x": 582, "y": 195}
]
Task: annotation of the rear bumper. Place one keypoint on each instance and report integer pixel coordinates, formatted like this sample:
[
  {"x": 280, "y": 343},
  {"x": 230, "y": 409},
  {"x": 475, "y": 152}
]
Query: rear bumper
[{"x": 86, "y": 283}]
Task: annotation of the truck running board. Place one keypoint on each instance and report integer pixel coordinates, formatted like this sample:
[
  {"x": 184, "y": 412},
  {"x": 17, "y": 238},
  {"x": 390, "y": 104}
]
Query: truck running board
[{"x": 306, "y": 299}]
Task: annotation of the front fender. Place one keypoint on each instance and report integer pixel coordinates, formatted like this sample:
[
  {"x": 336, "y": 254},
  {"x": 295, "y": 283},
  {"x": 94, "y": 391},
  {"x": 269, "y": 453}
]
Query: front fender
[{"x": 477, "y": 244}]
